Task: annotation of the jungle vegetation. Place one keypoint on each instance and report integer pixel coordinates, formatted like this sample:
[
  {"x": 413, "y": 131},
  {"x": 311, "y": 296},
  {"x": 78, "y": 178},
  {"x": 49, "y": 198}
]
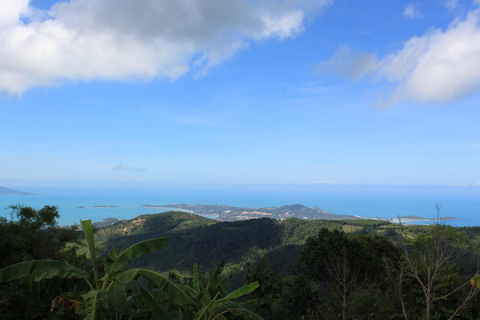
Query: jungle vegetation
[{"x": 262, "y": 268}]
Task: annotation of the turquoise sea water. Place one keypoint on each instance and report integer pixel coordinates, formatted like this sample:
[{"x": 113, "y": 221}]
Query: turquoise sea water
[{"x": 368, "y": 201}]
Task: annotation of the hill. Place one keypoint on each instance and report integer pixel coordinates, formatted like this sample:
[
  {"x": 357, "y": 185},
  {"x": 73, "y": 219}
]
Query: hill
[{"x": 196, "y": 239}]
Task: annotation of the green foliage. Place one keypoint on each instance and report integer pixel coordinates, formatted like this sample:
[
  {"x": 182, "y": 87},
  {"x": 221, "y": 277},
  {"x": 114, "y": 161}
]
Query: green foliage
[
  {"x": 345, "y": 270},
  {"x": 268, "y": 280},
  {"x": 195, "y": 239},
  {"x": 350, "y": 270},
  {"x": 298, "y": 296},
  {"x": 430, "y": 268},
  {"x": 33, "y": 232},
  {"x": 212, "y": 299},
  {"x": 40, "y": 270},
  {"x": 106, "y": 296}
]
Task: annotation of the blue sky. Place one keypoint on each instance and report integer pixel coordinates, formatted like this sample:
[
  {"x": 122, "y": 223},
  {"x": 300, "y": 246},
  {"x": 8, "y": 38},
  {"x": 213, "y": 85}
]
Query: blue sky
[{"x": 122, "y": 93}]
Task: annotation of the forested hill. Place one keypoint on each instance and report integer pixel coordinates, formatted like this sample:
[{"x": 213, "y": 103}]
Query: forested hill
[
  {"x": 380, "y": 277},
  {"x": 195, "y": 239}
]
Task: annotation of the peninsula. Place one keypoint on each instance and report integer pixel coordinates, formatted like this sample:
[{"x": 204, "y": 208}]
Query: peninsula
[
  {"x": 229, "y": 213},
  {"x": 6, "y": 191}
]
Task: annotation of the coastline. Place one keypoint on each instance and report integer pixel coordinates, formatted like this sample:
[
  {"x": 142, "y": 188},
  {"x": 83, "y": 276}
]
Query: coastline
[{"x": 374, "y": 202}]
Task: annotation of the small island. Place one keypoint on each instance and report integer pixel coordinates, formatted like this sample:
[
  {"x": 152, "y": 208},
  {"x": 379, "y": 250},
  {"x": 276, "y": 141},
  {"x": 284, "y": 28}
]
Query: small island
[{"x": 97, "y": 207}]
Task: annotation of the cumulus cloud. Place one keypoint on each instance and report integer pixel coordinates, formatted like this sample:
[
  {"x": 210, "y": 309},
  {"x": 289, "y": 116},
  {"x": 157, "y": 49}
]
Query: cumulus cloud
[
  {"x": 411, "y": 11},
  {"x": 438, "y": 67},
  {"x": 142, "y": 39},
  {"x": 124, "y": 167}
]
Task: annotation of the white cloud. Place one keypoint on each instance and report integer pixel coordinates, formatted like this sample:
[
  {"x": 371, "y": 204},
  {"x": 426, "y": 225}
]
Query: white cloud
[
  {"x": 124, "y": 167},
  {"x": 438, "y": 67},
  {"x": 411, "y": 11},
  {"x": 143, "y": 39}
]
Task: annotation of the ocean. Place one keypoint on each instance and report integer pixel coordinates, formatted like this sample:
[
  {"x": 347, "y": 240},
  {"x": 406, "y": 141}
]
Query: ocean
[{"x": 373, "y": 201}]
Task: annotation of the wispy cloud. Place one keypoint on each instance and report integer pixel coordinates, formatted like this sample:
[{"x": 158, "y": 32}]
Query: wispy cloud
[
  {"x": 411, "y": 11},
  {"x": 124, "y": 39},
  {"x": 451, "y": 4},
  {"x": 438, "y": 67},
  {"x": 348, "y": 63},
  {"x": 124, "y": 167},
  {"x": 320, "y": 182}
]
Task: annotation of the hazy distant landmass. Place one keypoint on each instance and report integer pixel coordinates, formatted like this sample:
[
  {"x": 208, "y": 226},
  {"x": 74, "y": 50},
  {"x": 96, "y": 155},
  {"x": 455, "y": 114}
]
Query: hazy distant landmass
[
  {"x": 228, "y": 213},
  {"x": 6, "y": 191}
]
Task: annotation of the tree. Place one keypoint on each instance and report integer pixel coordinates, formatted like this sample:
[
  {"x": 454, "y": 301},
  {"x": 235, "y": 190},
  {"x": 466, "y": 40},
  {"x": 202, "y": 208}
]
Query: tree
[
  {"x": 33, "y": 232},
  {"x": 430, "y": 261},
  {"x": 270, "y": 286},
  {"x": 98, "y": 290},
  {"x": 350, "y": 271}
]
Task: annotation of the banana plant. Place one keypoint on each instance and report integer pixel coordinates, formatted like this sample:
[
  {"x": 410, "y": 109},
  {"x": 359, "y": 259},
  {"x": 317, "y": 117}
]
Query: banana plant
[
  {"x": 107, "y": 293},
  {"x": 213, "y": 301}
]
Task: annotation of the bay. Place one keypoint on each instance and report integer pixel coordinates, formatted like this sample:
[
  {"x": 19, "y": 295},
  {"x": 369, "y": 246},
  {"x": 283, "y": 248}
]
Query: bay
[{"x": 383, "y": 201}]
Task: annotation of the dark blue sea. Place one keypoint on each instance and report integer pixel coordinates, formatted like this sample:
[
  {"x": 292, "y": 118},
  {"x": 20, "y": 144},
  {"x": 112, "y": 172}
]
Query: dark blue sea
[{"x": 371, "y": 201}]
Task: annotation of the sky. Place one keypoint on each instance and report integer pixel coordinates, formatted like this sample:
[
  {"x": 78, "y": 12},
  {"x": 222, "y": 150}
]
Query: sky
[{"x": 150, "y": 92}]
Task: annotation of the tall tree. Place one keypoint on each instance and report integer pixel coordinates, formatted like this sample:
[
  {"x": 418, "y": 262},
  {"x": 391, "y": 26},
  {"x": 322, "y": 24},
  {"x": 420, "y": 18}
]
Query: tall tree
[{"x": 350, "y": 269}]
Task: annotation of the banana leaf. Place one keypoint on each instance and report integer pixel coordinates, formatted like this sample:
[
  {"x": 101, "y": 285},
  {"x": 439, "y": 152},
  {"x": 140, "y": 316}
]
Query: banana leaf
[
  {"x": 93, "y": 301},
  {"x": 240, "y": 292},
  {"x": 88, "y": 232},
  {"x": 117, "y": 295},
  {"x": 157, "y": 310},
  {"x": 136, "y": 251},
  {"x": 42, "y": 269},
  {"x": 170, "y": 289}
]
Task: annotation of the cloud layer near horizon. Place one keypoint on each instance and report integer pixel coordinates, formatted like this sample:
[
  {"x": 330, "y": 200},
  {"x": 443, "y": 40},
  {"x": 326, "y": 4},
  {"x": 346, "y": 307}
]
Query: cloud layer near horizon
[
  {"x": 438, "y": 67},
  {"x": 143, "y": 39},
  {"x": 125, "y": 167}
]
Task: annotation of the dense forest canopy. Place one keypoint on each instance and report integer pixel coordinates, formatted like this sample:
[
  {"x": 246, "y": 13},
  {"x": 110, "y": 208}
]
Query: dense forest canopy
[{"x": 260, "y": 268}]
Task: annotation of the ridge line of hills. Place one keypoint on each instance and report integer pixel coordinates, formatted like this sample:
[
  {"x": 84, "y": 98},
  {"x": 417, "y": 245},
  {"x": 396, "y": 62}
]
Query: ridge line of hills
[{"x": 196, "y": 239}]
